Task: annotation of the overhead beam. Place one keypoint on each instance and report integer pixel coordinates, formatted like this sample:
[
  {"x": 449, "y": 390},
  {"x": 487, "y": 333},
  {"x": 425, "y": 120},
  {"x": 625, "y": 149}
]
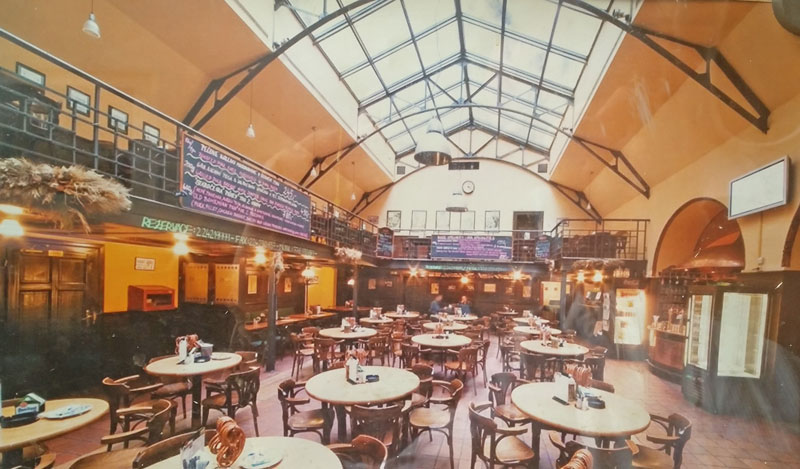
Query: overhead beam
[
  {"x": 367, "y": 198},
  {"x": 635, "y": 180},
  {"x": 253, "y": 69},
  {"x": 709, "y": 54},
  {"x": 579, "y": 199}
]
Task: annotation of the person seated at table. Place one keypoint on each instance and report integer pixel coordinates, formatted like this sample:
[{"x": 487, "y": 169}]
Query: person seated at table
[
  {"x": 436, "y": 305},
  {"x": 466, "y": 309}
]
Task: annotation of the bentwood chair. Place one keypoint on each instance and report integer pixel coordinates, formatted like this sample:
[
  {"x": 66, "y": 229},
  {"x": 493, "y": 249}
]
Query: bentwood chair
[
  {"x": 324, "y": 353},
  {"x": 240, "y": 391},
  {"x": 500, "y": 388},
  {"x": 167, "y": 448},
  {"x": 619, "y": 457},
  {"x": 300, "y": 351},
  {"x": 411, "y": 355},
  {"x": 174, "y": 388},
  {"x": 483, "y": 354},
  {"x": 382, "y": 423},
  {"x": 121, "y": 394},
  {"x": 377, "y": 348},
  {"x": 678, "y": 432},
  {"x": 441, "y": 415},
  {"x": 537, "y": 367},
  {"x": 466, "y": 363},
  {"x": 295, "y": 420},
  {"x": 364, "y": 452},
  {"x": 494, "y": 445},
  {"x": 420, "y": 397},
  {"x": 158, "y": 415}
]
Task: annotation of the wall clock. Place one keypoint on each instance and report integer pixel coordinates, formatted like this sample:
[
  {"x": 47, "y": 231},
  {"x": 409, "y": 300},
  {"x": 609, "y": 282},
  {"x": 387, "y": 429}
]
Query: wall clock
[{"x": 468, "y": 187}]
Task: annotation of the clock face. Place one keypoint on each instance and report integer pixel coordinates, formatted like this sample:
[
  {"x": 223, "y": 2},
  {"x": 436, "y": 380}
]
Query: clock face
[{"x": 468, "y": 187}]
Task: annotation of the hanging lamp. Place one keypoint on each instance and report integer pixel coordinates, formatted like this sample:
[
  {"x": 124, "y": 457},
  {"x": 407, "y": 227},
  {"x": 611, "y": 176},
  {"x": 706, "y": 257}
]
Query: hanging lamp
[
  {"x": 433, "y": 149},
  {"x": 251, "y": 131},
  {"x": 90, "y": 27}
]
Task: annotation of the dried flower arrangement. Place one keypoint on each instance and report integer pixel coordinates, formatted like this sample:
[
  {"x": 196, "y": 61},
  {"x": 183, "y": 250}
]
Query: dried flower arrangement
[
  {"x": 348, "y": 255},
  {"x": 277, "y": 263},
  {"x": 64, "y": 195}
]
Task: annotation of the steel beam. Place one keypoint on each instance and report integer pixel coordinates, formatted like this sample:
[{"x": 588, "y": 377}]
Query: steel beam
[
  {"x": 253, "y": 69},
  {"x": 635, "y": 180},
  {"x": 709, "y": 54},
  {"x": 577, "y": 198},
  {"x": 367, "y": 198}
]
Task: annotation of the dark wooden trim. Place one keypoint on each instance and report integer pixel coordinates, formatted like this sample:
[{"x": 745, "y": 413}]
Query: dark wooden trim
[{"x": 788, "y": 245}]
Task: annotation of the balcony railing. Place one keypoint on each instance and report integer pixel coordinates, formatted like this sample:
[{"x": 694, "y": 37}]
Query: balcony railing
[{"x": 93, "y": 124}]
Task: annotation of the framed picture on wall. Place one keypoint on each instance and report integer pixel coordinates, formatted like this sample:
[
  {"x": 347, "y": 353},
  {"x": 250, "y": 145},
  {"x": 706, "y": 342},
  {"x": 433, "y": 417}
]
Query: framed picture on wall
[
  {"x": 489, "y": 287},
  {"x": 526, "y": 291},
  {"x": 287, "y": 285},
  {"x": 151, "y": 133},
  {"x": 144, "y": 263},
  {"x": 492, "y": 222},
  {"x": 509, "y": 290},
  {"x": 372, "y": 284},
  {"x": 118, "y": 120},
  {"x": 30, "y": 74},
  {"x": 393, "y": 219},
  {"x": 442, "y": 220},
  {"x": 419, "y": 218},
  {"x": 78, "y": 101},
  {"x": 434, "y": 288},
  {"x": 468, "y": 220}
]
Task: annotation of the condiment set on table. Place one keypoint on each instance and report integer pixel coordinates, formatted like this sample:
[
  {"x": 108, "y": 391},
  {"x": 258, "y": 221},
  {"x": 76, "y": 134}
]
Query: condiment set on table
[
  {"x": 190, "y": 349},
  {"x": 572, "y": 391}
]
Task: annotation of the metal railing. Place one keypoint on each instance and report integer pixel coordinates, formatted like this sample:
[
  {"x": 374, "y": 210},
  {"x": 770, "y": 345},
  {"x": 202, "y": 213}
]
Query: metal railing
[{"x": 93, "y": 124}]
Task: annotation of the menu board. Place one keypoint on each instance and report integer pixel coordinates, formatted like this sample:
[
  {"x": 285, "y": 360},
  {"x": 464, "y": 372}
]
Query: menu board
[
  {"x": 492, "y": 248},
  {"x": 385, "y": 247},
  {"x": 216, "y": 183},
  {"x": 543, "y": 248}
]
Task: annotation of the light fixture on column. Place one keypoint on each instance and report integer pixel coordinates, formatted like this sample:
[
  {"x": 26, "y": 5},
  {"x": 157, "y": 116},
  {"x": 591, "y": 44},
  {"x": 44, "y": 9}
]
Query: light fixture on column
[
  {"x": 11, "y": 228},
  {"x": 251, "y": 131},
  {"x": 433, "y": 149},
  {"x": 181, "y": 248},
  {"x": 307, "y": 273},
  {"x": 516, "y": 274},
  {"x": 90, "y": 27},
  {"x": 261, "y": 256},
  {"x": 464, "y": 280}
]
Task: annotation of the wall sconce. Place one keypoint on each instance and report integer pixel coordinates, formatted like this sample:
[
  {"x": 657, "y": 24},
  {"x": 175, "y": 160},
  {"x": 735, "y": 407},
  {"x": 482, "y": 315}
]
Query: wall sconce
[
  {"x": 261, "y": 256},
  {"x": 10, "y": 228},
  {"x": 351, "y": 282},
  {"x": 581, "y": 277},
  {"x": 180, "y": 248},
  {"x": 598, "y": 276},
  {"x": 516, "y": 275},
  {"x": 464, "y": 280},
  {"x": 307, "y": 273}
]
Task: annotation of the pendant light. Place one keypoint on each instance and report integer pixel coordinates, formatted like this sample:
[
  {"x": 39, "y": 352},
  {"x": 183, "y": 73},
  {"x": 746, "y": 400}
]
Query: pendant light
[
  {"x": 251, "y": 131},
  {"x": 433, "y": 149},
  {"x": 90, "y": 27},
  {"x": 353, "y": 182},
  {"x": 314, "y": 172}
]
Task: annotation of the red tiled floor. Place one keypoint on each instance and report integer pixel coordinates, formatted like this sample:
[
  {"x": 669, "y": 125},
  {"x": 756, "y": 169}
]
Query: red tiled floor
[{"x": 717, "y": 441}]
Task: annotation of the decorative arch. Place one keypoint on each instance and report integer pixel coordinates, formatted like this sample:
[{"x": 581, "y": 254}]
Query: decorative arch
[{"x": 699, "y": 226}]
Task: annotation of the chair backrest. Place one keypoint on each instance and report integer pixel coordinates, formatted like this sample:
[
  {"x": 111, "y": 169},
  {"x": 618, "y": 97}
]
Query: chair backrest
[
  {"x": 310, "y": 330},
  {"x": 377, "y": 422},
  {"x": 456, "y": 389},
  {"x": 481, "y": 428},
  {"x": 596, "y": 363},
  {"x": 582, "y": 459},
  {"x": 501, "y": 384},
  {"x": 425, "y": 374},
  {"x": 681, "y": 427},
  {"x": 469, "y": 356},
  {"x": 117, "y": 394},
  {"x": 157, "y": 421},
  {"x": 248, "y": 359},
  {"x": 409, "y": 354},
  {"x": 364, "y": 452},
  {"x": 246, "y": 385},
  {"x": 324, "y": 348},
  {"x": 167, "y": 448},
  {"x": 620, "y": 457}
]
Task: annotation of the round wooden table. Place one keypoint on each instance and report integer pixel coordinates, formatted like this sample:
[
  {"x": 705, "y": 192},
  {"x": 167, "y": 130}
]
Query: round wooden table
[
  {"x": 169, "y": 366},
  {"x": 535, "y": 330},
  {"x": 331, "y": 388},
  {"x": 378, "y": 321},
  {"x": 568, "y": 350},
  {"x": 621, "y": 418},
  {"x": 444, "y": 342},
  {"x": 339, "y": 334},
  {"x": 509, "y": 313},
  {"x": 452, "y": 327},
  {"x": 406, "y": 315},
  {"x": 467, "y": 318},
  {"x": 525, "y": 320},
  {"x": 12, "y": 440},
  {"x": 298, "y": 453}
]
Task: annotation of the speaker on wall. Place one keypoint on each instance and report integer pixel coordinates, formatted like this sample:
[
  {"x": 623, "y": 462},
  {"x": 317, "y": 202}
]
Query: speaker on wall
[{"x": 788, "y": 14}]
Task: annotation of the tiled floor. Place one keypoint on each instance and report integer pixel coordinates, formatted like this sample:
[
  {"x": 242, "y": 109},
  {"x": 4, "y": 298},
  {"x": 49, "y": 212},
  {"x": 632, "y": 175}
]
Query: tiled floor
[{"x": 717, "y": 441}]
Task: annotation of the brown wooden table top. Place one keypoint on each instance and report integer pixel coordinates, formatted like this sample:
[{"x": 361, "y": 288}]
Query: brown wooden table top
[
  {"x": 332, "y": 387},
  {"x": 298, "y": 453},
  {"x": 567, "y": 350},
  {"x": 304, "y": 317},
  {"x": 338, "y": 334},
  {"x": 170, "y": 367},
  {"x": 45, "y": 429},
  {"x": 345, "y": 309},
  {"x": 456, "y": 326},
  {"x": 261, "y": 325},
  {"x": 448, "y": 341},
  {"x": 621, "y": 417}
]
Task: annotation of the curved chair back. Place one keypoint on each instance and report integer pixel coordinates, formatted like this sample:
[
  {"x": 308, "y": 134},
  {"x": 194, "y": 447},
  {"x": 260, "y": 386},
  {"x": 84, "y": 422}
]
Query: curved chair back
[
  {"x": 364, "y": 452},
  {"x": 167, "y": 448}
]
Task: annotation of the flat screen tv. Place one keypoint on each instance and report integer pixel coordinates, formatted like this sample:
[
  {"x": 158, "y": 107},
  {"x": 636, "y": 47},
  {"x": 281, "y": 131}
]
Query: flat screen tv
[{"x": 762, "y": 189}]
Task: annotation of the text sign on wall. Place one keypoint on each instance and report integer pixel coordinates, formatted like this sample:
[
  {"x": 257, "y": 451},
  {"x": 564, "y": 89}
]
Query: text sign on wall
[
  {"x": 385, "y": 247},
  {"x": 494, "y": 248},
  {"x": 216, "y": 183}
]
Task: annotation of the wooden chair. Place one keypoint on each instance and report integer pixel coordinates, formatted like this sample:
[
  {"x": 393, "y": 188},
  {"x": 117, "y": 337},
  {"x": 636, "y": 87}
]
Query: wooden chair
[
  {"x": 569, "y": 335},
  {"x": 174, "y": 388},
  {"x": 121, "y": 393},
  {"x": 493, "y": 444},
  {"x": 679, "y": 431},
  {"x": 167, "y": 448},
  {"x": 538, "y": 367},
  {"x": 310, "y": 331},
  {"x": 483, "y": 353},
  {"x": 396, "y": 347},
  {"x": 382, "y": 423},
  {"x": 324, "y": 353},
  {"x": 364, "y": 452},
  {"x": 418, "y": 398},
  {"x": 158, "y": 415},
  {"x": 597, "y": 363},
  {"x": 440, "y": 418},
  {"x": 295, "y": 420},
  {"x": 240, "y": 391},
  {"x": 581, "y": 459},
  {"x": 466, "y": 362},
  {"x": 300, "y": 350},
  {"x": 500, "y": 388},
  {"x": 376, "y": 347},
  {"x": 619, "y": 457},
  {"x": 411, "y": 355}
]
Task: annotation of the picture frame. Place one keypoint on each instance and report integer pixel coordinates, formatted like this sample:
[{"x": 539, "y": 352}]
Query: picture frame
[
  {"x": 434, "y": 288},
  {"x": 78, "y": 101},
  {"x": 144, "y": 263},
  {"x": 252, "y": 284},
  {"x": 489, "y": 287},
  {"x": 372, "y": 284},
  {"x": 419, "y": 219},
  {"x": 492, "y": 220},
  {"x": 442, "y": 220},
  {"x": 509, "y": 290},
  {"x": 468, "y": 220},
  {"x": 393, "y": 219},
  {"x": 32, "y": 75},
  {"x": 287, "y": 285},
  {"x": 118, "y": 120},
  {"x": 151, "y": 133}
]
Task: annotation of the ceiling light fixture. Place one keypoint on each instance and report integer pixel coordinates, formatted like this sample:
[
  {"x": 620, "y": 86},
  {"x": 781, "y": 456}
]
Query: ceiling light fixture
[
  {"x": 314, "y": 152},
  {"x": 11, "y": 228},
  {"x": 180, "y": 248},
  {"x": 464, "y": 280},
  {"x": 433, "y": 149},
  {"x": 251, "y": 131},
  {"x": 516, "y": 275},
  {"x": 581, "y": 276},
  {"x": 308, "y": 273},
  {"x": 598, "y": 276},
  {"x": 261, "y": 256},
  {"x": 90, "y": 27}
]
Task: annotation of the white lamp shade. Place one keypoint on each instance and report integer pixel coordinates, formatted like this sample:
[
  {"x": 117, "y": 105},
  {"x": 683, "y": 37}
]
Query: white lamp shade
[
  {"x": 457, "y": 203},
  {"x": 251, "y": 131},
  {"x": 91, "y": 27},
  {"x": 433, "y": 149}
]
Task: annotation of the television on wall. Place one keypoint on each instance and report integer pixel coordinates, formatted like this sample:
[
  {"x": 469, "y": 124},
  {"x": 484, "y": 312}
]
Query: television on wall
[{"x": 761, "y": 189}]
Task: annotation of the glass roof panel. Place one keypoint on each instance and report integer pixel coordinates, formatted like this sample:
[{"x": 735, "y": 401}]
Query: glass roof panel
[
  {"x": 364, "y": 83},
  {"x": 489, "y": 11},
  {"x": 398, "y": 65},
  {"x": 401, "y": 142},
  {"x": 524, "y": 57},
  {"x": 440, "y": 45},
  {"x": 410, "y": 95},
  {"x": 541, "y": 139},
  {"x": 448, "y": 77},
  {"x": 380, "y": 110},
  {"x": 479, "y": 74},
  {"x": 563, "y": 71},
  {"x": 425, "y": 14},
  {"x": 383, "y": 29},
  {"x": 533, "y": 19},
  {"x": 513, "y": 87},
  {"x": 453, "y": 118},
  {"x": 576, "y": 31},
  {"x": 482, "y": 42},
  {"x": 343, "y": 49}
]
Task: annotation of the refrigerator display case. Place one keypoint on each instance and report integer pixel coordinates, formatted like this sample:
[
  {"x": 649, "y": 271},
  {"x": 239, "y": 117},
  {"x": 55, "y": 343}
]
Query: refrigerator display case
[
  {"x": 725, "y": 347},
  {"x": 629, "y": 320}
]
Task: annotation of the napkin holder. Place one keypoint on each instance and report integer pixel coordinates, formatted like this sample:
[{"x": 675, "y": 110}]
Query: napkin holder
[{"x": 565, "y": 387}]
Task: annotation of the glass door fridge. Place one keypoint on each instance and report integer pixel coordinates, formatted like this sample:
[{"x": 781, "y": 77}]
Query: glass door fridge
[{"x": 741, "y": 334}]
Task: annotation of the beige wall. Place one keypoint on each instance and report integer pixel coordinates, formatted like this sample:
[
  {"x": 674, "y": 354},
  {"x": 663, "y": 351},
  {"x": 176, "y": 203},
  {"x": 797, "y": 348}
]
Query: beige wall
[
  {"x": 498, "y": 186},
  {"x": 119, "y": 273}
]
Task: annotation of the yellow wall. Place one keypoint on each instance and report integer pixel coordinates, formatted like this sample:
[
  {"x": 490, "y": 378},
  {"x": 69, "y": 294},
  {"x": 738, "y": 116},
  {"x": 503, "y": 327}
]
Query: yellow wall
[
  {"x": 323, "y": 293},
  {"x": 119, "y": 273}
]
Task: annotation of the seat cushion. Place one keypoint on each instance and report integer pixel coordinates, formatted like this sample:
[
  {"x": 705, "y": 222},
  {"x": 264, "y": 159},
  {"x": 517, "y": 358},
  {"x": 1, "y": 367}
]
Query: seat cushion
[
  {"x": 510, "y": 412},
  {"x": 509, "y": 449},
  {"x": 429, "y": 418},
  {"x": 173, "y": 389},
  {"x": 652, "y": 458},
  {"x": 307, "y": 420},
  {"x": 218, "y": 400}
]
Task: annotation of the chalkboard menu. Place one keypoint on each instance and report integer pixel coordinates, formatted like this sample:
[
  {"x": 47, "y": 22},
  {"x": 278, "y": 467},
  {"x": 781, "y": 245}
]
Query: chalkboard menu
[
  {"x": 385, "y": 246},
  {"x": 543, "y": 247},
  {"x": 492, "y": 248},
  {"x": 216, "y": 183}
]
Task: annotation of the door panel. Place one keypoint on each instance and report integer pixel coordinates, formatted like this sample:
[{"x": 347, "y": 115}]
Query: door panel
[
  {"x": 34, "y": 307},
  {"x": 34, "y": 269},
  {"x": 71, "y": 272},
  {"x": 70, "y": 305}
]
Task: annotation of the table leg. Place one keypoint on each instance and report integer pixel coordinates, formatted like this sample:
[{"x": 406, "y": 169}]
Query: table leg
[
  {"x": 536, "y": 433},
  {"x": 341, "y": 419},
  {"x": 197, "y": 396}
]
